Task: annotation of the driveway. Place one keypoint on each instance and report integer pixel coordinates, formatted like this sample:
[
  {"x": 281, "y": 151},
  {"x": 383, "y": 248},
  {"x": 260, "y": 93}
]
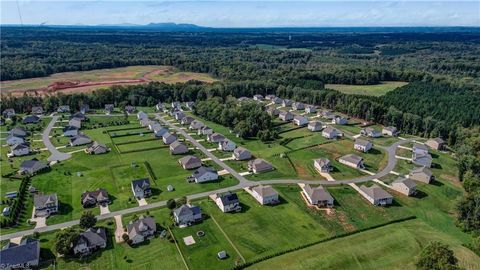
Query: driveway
[
  {"x": 142, "y": 202},
  {"x": 55, "y": 155},
  {"x": 119, "y": 230},
  {"x": 104, "y": 209}
]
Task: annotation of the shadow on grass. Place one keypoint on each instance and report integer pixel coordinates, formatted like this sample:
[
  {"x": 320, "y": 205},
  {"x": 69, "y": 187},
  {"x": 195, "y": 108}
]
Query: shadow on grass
[
  {"x": 420, "y": 194},
  {"x": 64, "y": 208},
  {"x": 436, "y": 183}
]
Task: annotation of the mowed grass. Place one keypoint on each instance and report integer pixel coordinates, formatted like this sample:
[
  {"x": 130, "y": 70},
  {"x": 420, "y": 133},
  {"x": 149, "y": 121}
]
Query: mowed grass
[{"x": 369, "y": 90}]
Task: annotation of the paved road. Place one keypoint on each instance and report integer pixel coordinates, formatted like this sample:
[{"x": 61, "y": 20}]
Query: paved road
[
  {"x": 55, "y": 154},
  {"x": 392, "y": 161}
]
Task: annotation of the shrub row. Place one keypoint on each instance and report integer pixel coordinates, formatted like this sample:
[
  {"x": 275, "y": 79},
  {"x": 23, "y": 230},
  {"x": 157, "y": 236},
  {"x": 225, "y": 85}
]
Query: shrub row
[
  {"x": 18, "y": 204},
  {"x": 121, "y": 129},
  {"x": 264, "y": 258},
  {"x": 150, "y": 171},
  {"x": 129, "y": 134}
]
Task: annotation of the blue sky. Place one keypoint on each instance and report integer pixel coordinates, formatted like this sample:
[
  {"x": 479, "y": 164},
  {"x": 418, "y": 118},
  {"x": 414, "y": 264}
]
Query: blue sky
[{"x": 228, "y": 13}]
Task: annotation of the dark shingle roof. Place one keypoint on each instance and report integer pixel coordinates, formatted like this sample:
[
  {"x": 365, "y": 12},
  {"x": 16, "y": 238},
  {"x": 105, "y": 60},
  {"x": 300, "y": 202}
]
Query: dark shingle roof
[{"x": 27, "y": 251}]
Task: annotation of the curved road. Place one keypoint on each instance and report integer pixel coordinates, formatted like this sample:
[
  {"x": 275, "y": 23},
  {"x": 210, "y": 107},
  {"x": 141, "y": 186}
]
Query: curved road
[
  {"x": 55, "y": 154},
  {"x": 243, "y": 182}
]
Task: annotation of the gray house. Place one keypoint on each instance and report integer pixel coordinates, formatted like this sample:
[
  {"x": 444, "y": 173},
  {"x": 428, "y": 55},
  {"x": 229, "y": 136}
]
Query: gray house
[
  {"x": 287, "y": 103},
  {"x": 298, "y": 106},
  {"x": 80, "y": 139},
  {"x": 32, "y": 167},
  {"x": 375, "y": 195},
  {"x": 272, "y": 111},
  {"x": 205, "y": 131},
  {"x": 195, "y": 125},
  {"x": 97, "y": 148},
  {"x": 264, "y": 194},
  {"x": 420, "y": 148},
  {"x": 315, "y": 126},
  {"x": 75, "y": 122},
  {"x": 390, "y": 131},
  {"x": 31, "y": 119},
  {"x": 18, "y": 132},
  {"x": 286, "y": 116},
  {"x": 310, "y": 109},
  {"x": 422, "y": 159},
  {"x": 404, "y": 186},
  {"x": 241, "y": 153},
  {"x": 370, "y": 132},
  {"x": 187, "y": 120},
  {"x": 421, "y": 174},
  {"x": 186, "y": 215},
  {"x": 20, "y": 149},
  {"x": 259, "y": 165},
  {"x": 70, "y": 131},
  {"x": 317, "y": 196},
  {"x": 14, "y": 140},
  {"x": 177, "y": 148},
  {"x": 109, "y": 108},
  {"x": 141, "y": 229},
  {"x": 25, "y": 255},
  {"x": 37, "y": 110},
  {"x": 79, "y": 116},
  {"x": 89, "y": 241},
  {"x": 93, "y": 198},
  {"x": 190, "y": 162},
  {"x": 141, "y": 188},
  {"x": 168, "y": 138},
  {"x": 45, "y": 205},
  {"x": 215, "y": 137},
  {"x": 352, "y": 160},
  {"x": 329, "y": 132},
  {"x": 8, "y": 113},
  {"x": 159, "y": 131},
  {"x": 228, "y": 202},
  {"x": 205, "y": 174}
]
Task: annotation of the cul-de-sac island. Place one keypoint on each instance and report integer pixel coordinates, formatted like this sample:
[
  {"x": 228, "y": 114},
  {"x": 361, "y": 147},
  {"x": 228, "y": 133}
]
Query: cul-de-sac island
[{"x": 208, "y": 150}]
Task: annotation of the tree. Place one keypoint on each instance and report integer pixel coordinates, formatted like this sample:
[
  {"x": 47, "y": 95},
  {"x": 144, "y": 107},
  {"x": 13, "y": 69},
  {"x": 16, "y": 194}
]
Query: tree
[
  {"x": 64, "y": 240},
  {"x": 88, "y": 220},
  {"x": 171, "y": 204},
  {"x": 182, "y": 201},
  {"x": 437, "y": 256}
]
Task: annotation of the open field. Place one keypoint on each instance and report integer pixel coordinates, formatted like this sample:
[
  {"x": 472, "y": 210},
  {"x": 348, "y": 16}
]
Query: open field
[
  {"x": 87, "y": 81},
  {"x": 369, "y": 90}
]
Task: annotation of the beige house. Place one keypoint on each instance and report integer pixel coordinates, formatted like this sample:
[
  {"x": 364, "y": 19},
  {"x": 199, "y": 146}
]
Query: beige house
[
  {"x": 421, "y": 174},
  {"x": 352, "y": 160},
  {"x": 259, "y": 165},
  {"x": 190, "y": 162},
  {"x": 436, "y": 143},
  {"x": 317, "y": 196},
  {"x": 264, "y": 194},
  {"x": 375, "y": 195},
  {"x": 322, "y": 165},
  {"x": 404, "y": 186}
]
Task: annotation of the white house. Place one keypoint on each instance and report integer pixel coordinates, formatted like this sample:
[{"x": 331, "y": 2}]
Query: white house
[
  {"x": 264, "y": 194},
  {"x": 17, "y": 150},
  {"x": 315, "y": 126},
  {"x": 405, "y": 186},
  {"x": 352, "y": 160},
  {"x": 317, "y": 196},
  {"x": 370, "y": 132},
  {"x": 205, "y": 174},
  {"x": 390, "y": 131},
  {"x": 226, "y": 145},
  {"x": 227, "y": 202},
  {"x": 329, "y": 133},
  {"x": 362, "y": 145}
]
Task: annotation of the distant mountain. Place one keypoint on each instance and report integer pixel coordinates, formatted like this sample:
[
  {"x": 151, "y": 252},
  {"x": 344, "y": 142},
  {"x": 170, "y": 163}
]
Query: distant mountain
[{"x": 171, "y": 25}]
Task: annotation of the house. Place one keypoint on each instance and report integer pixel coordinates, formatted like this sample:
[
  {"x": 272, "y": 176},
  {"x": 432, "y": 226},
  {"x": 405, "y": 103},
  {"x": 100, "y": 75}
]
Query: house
[
  {"x": 94, "y": 198},
  {"x": 190, "y": 162},
  {"x": 362, "y": 145},
  {"x": 322, "y": 165},
  {"x": 159, "y": 106},
  {"x": 18, "y": 132},
  {"x": 226, "y": 145},
  {"x": 227, "y": 202},
  {"x": 173, "y": 111},
  {"x": 8, "y": 113},
  {"x": 195, "y": 125},
  {"x": 70, "y": 131},
  {"x": 187, "y": 120},
  {"x": 421, "y": 174},
  {"x": 339, "y": 120},
  {"x": 80, "y": 139},
  {"x": 286, "y": 116},
  {"x": 315, "y": 126},
  {"x": 270, "y": 97},
  {"x": 298, "y": 106},
  {"x": 404, "y": 186},
  {"x": 109, "y": 108},
  {"x": 45, "y": 205},
  {"x": 159, "y": 131},
  {"x": 189, "y": 105},
  {"x": 141, "y": 188},
  {"x": 205, "y": 174},
  {"x": 85, "y": 108},
  {"x": 259, "y": 165},
  {"x": 25, "y": 255},
  {"x": 272, "y": 111},
  {"x": 241, "y": 153},
  {"x": 258, "y": 97},
  {"x": 146, "y": 122},
  {"x": 168, "y": 138},
  {"x": 205, "y": 131},
  {"x": 419, "y": 148},
  {"x": 310, "y": 109},
  {"x": 80, "y": 116},
  {"x": 129, "y": 109},
  {"x": 330, "y": 132},
  {"x": 390, "y": 131},
  {"x": 264, "y": 194},
  {"x": 370, "y": 132},
  {"x": 32, "y": 167},
  {"x": 422, "y": 159},
  {"x": 20, "y": 149},
  {"x": 97, "y": 148},
  {"x": 215, "y": 137},
  {"x": 178, "y": 115},
  {"x": 186, "y": 215},
  {"x": 37, "y": 110},
  {"x": 352, "y": 160},
  {"x": 75, "y": 122},
  {"x": 436, "y": 143},
  {"x": 13, "y": 140},
  {"x": 287, "y": 103},
  {"x": 375, "y": 195},
  {"x": 178, "y": 148},
  {"x": 300, "y": 120},
  {"x": 141, "y": 229},
  {"x": 277, "y": 100},
  {"x": 141, "y": 115},
  {"x": 31, "y": 119},
  {"x": 89, "y": 241},
  {"x": 63, "y": 109},
  {"x": 154, "y": 125},
  {"x": 317, "y": 196},
  {"x": 176, "y": 104}
]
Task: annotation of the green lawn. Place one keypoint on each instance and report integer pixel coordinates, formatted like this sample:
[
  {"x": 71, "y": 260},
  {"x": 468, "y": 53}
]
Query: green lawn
[{"x": 369, "y": 90}]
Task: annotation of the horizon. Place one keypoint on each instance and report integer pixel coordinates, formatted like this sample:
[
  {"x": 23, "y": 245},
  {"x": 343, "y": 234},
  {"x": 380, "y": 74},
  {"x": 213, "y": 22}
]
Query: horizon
[{"x": 243, "y": 14}]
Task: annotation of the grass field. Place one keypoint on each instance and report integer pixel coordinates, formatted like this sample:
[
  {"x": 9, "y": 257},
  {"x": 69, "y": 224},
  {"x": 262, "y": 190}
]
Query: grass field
[{"x": 369, "y": 90}]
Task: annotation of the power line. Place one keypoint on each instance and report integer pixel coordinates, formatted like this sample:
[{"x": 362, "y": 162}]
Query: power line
[{"x": 19, "y": 14}]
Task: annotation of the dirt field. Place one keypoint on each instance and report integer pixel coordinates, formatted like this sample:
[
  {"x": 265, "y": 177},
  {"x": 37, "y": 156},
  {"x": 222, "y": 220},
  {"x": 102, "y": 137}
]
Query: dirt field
[{"x": 86, "y": 81}]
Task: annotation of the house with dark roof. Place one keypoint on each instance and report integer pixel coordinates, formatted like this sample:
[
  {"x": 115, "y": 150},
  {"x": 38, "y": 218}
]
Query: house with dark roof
[
  {"x": 8, "y": 113},
  {"x": 141, "y": 188},
  {"x": 404, "y": 186},
  {"x": 178, "y": 148},
  {"x": 228, "y": 202},
  {"x": 370, "y": 132},
  {"x": 205, "y": 174},
  {"x": 80, "y": 139},
  {"x": 286, "y": 116},
  {"x": 362, "y": 145},
  {"x": 310, "y": 109},
  {"x": 14, "y": 140},
  {"x": 270, "y": 97},
  {"x": 436, "y": 143},
  {"x": 196, "y": 125},
  {"x": 189, "y": 105},
  {"x": 159, "y": 106},
  {"x": 352, "y": 160},
  {"x": 264, "y": 194},
  {"x": 179, "y": 115},
  {"x": 317, "y": 196},
  {"x": 80, "y": 116},
  {"x": 272, "y": 111},
  {"x": 168, "y": 138},
  {"x": 75, "y": 122},
  {"x": 421, "y": 174},
  {"x": 159, "y": 131},
  {"x": 258, "y": 97},
  {"x": 97, "y": 148},
  {"x": 259, "y": 165},
  {"x": 84, "y": 108},
  {"x": 129, "y": 109},
  {"x": 241, "y": 153},
  {"x": 190, "y": 162},
  {"x": 146, "y": 122},
  {"x": 419, "y": 148},
  {"x": 32, "y": 167},
  {"x": 25, "y": 255},
  {"x": 141, "y": 229},
  {"x": 277, "y": 100},
  {"x": 330, "y": 132},
  {"x": 390, "y": 131},
  {"x": 109, "y": 108},
  {"x": 154, "y": 125},
  {"x": 338, "y": 120},
  {"x": 215, "y": 137},
  {"x": 37, "y": 110},
  {"x": 298, "y": 106},
  {"x": 422, "y": 159},
  {"x": 176, "y": 104},
  {"x": 287, "y": 103},
  {"x": 226, "y": 145},
  {"x": 89, "y": 241},
  {"x": 20, "y": 149},
  {"x": 31, "y": 119},
  {"x": 204, "y": 131},
  {"x": 18, "y": 132},
  {"x": 187, "y": 215},
  {"x": 187, "y": 120},
  {"x": 70, "y": 131},
  {"x": 322, "y": 165},
  {"x": 94, "y": 198},
  {"x": 45, "y": 205},
  {"x": 315, "y": 126},
  {"x": 300, "y": 120},
  {"x": 376, "y": 195}
]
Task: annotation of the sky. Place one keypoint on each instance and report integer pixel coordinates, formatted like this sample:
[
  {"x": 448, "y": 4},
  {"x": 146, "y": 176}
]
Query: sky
[{"x": 249, "y": 13}]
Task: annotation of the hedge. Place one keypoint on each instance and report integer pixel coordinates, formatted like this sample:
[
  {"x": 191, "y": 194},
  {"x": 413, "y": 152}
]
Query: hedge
[
  {"x": 150, "y": 171},
  {"x": 121, "y": 129},
  {"x": 18, "y": 204},
  {"x": 250, "y": 263}
]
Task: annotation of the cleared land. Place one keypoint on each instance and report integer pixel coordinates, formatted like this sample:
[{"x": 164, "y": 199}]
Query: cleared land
[
  {"x": 369, "y": 90},
  {"x": 86, "y": 81}
]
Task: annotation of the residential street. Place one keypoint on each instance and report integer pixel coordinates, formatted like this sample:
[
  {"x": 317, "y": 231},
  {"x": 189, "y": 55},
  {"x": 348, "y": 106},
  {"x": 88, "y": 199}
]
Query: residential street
[{"x": 55, "y": 154}]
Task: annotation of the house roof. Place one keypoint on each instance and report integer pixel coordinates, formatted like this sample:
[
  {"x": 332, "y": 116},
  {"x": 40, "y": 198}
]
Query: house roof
[
  {"x": 240, "y": 150},
  {"x": 39, "y": 201},
  {"x": 390, "y": 128},
  {"x": 167, "y": 135},
  {"x": 27, "y": 251},
  {"x": 424, "y": 170},
  {"x": 315, "y": 124},
  {"x": 69, "y": 128},
  {"x": 405, "y": 181},
  {"x": 300, "y": 118},
  {"x": 318, "y": 193},
  {"x": 216, "y": 137},
  {"x": 375, "y": 192},
  {"x": 228, "y": 198},
  {"x": 93, "y": 237},
  {"x": 363, "y": 143},
  {"x": 143, "y": 223},
  {"x": 177, "y": 144},
  {"x": 322, "y": 162},
  {"x": 424, "y": 156},
  {"x": 437, "y": 140},
  {"x": 31, "y": 119},
  {"x": 18, "y": 131},
  {"x": 99, "y": 195},
  {"x": 78, "y": 115},
  {"x": 142, "y": 183},
  {"x": 285, "y": 113},
  {"x": 260, "y": 164},
  {"x": 225, "y": 142},
  {"x": 352, "y": 158},
  {"x": 203, "y": 170},
  {"x": 264, "y": 191},
  {"x": 186, "y": 210},
  {"x": 329, "y": 129},
  {"x": 187, "y": 160},
  {"x": 420, "y": 146},
  {"x": 80, "y": 137},
  {"x": 32, "y": 164},
  {"x": 20, "y": 146},
  {"x": 196, "y": 124}
]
